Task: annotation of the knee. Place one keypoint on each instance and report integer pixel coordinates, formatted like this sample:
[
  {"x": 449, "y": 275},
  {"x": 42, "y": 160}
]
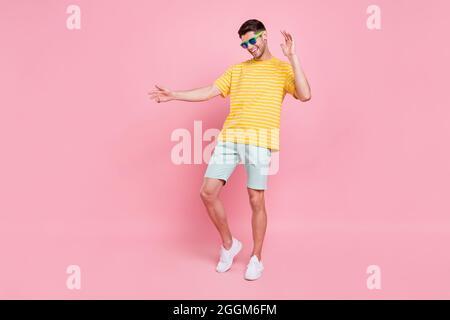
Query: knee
[
  {"x": 207, "y": 194},
  {"x": 257, "y": 201}
]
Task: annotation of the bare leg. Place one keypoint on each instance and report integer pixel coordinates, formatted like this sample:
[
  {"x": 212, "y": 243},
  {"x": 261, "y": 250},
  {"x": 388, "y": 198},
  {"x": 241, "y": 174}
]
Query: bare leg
[
  {"x": 259, "y": 219},
  {"x": 209, "y": 193}
]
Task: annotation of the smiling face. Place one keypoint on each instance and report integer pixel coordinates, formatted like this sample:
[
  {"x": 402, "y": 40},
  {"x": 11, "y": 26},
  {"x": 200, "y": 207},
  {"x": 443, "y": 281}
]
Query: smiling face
[{"x": 259, "y": 47}]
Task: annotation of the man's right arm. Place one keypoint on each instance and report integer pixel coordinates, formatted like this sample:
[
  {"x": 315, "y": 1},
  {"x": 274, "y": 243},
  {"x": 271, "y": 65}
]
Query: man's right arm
[{"x": 201, "y": 94}]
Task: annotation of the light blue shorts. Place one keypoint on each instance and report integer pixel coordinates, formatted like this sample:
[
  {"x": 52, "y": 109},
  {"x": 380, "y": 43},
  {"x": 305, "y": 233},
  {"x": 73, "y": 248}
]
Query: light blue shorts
[{"x": 227, "y": 155}]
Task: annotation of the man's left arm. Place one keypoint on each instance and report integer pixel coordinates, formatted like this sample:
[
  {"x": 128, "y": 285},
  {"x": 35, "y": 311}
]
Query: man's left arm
[{"x": 302, "y": 88}]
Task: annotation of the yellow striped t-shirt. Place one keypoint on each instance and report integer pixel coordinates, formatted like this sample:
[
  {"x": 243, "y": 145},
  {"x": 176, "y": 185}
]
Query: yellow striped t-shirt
[{"x": 256, "y": 89}]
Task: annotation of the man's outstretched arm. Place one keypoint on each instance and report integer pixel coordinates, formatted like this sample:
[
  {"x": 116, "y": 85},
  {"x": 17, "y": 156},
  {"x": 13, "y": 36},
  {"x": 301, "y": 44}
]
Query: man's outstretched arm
[{"x": 161, "y": 94}]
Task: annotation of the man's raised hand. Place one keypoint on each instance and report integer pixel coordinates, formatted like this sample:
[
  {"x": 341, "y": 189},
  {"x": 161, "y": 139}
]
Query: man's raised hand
[{"x": 289, "y": 45}]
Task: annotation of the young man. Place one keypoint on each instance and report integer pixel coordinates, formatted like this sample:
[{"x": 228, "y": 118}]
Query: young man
[{"x": 250, "y": 132}]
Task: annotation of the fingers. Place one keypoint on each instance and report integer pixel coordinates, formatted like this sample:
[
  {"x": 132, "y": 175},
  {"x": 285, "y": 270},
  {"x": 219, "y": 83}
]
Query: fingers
[
  {"x": 154, "y": 93},
  {"x": 155, "y": 96},
  {"x": 157, "y": 99},
  {"x": 287, "y": 36},
  {"x": 155, "y": 90},
  {"x": 162, "y": 89},
  {"x": 159, "y": 95},
  {"x": 290, "y": 36},
  {"x": 159, "y": 90}
]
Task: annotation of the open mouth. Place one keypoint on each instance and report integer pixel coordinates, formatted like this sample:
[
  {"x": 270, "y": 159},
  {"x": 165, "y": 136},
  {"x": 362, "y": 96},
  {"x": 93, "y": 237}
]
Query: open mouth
[{"x": 254, "y": 51}]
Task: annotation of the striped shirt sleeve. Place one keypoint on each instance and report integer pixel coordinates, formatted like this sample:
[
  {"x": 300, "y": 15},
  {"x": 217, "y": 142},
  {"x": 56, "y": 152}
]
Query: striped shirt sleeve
[
  {"x": 224, "y": 82},
  {"x": 289, "y": 85}
]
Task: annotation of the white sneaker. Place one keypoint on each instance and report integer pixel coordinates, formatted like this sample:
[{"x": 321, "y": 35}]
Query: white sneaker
[
  {"x": 254, "y": 269},
  {"x": 227, "y": 256}
]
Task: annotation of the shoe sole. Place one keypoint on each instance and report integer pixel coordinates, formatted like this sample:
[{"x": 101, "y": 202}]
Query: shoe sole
[
  {"x": 232, "y": 259},
  {"x": 252, "y": 279}
]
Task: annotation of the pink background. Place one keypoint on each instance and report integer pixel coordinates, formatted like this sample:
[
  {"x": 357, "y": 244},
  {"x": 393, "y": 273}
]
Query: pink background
[{"x": 87, "y": 178}]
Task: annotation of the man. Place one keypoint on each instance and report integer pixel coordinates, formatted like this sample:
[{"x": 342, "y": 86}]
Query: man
[{"x": 250, "y": 133}]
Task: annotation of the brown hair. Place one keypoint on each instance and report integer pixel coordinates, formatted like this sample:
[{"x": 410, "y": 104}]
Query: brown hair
[{"x": 251, "y": 25}]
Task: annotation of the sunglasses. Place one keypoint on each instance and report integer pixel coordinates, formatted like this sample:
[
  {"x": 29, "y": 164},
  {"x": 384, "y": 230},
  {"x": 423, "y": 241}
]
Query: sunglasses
[{"x": 252, "y": 41}]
